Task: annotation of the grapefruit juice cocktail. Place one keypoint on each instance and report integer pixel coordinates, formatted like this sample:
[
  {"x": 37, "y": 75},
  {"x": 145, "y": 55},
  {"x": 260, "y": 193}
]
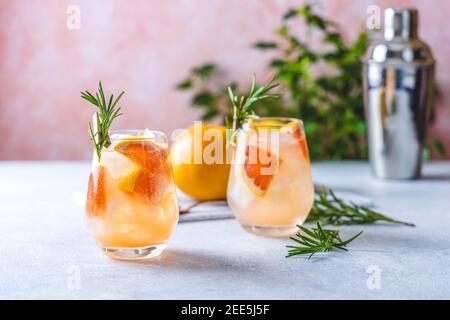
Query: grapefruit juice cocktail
[
  {"x": 270, "y": 189},
  {"x": 131, "y": 205}
]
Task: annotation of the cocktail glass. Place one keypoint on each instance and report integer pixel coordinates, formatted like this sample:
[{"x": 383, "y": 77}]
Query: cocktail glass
[
  {"x": 131, "y": 206},
  {"x": 270, "y": 189}
]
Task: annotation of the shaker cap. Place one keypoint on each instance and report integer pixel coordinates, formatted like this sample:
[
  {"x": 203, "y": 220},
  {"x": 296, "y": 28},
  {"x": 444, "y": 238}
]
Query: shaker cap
[
  {"x": 400, "y": 23},
  {"x": 400, "y": 43}
]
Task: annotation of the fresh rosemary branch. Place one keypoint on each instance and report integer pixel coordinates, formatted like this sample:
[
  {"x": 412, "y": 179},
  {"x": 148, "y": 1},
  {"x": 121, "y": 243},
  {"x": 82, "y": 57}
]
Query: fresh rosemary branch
[
  {"x": 314, "y": 240},
  {"x": 103, "y": 117},
  {"x": 329, "y": 209},
  {"x": 242, "y": 107}
]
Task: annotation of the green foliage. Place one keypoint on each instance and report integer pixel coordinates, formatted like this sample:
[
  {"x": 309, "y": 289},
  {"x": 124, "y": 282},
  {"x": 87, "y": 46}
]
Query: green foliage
[
  {"x": 331, "y": 106},
  {"x": 213, "y": 101}
]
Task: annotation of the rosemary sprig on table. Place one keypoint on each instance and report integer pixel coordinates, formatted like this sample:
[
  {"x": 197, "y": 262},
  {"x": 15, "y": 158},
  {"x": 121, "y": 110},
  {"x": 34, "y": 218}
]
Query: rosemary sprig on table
[
  {"x": 103, "y": 118},
  {"x": 314, "y": 240},
  {"x": 329, "y": 209},
  {"x": 242, "y": 106}
]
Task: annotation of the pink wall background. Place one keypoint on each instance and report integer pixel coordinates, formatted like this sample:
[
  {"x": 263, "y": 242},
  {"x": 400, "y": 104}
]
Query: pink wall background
[{"x": 145, "y": 48}]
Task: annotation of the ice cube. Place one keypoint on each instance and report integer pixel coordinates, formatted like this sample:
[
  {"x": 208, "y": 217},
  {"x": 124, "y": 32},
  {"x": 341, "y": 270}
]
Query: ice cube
[
  {"x": 148, "y": 133},
  {"x": 118, "y": 165}
]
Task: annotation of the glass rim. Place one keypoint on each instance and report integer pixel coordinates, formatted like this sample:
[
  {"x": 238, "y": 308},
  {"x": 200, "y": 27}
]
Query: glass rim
[
  {"x": 139, "y": 134},
  {"x": 284, "y": 122}
]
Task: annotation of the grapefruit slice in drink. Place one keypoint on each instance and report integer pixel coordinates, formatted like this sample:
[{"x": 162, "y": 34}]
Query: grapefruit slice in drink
[
  {"x": 294, "y": 129},
  {"x": 259, "y": 168},
  {"x": 96, "y": 199},
  {"x": 152, "y": 160},
  {"x": 299, "y": 135}
]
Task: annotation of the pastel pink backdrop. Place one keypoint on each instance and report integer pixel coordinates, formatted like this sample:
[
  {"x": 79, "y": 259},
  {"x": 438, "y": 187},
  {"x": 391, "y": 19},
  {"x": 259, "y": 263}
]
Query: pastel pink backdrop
[{"x": 145, "y": 47}]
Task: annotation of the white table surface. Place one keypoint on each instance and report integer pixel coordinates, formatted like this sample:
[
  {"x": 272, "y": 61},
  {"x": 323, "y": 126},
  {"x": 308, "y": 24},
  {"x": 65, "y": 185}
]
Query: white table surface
[{"x": 46, "y": 251}]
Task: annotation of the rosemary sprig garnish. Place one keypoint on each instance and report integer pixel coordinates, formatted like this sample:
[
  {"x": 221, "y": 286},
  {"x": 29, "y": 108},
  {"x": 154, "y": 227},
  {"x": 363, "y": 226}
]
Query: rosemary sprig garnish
[
  {"x": 329, "y": 209},
  {"x": 103, "y": 117},
  {"x": 314, "y": 240},
  {"x": 242, "y": 106}
]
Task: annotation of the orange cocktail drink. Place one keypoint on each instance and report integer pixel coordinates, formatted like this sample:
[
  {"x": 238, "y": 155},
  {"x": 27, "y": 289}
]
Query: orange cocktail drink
[
  {"x": 270, "y": 189},
  {"x": 131, "y": 204}
]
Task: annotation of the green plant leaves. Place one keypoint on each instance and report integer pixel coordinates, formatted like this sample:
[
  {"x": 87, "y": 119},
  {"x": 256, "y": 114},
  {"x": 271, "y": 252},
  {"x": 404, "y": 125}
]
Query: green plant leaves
[
  {"x": 265, "y": 45},
  {"x": 329, "y": 102},
  {"x": 184, "y": 85},
  {"x": 204, "y": 71}
]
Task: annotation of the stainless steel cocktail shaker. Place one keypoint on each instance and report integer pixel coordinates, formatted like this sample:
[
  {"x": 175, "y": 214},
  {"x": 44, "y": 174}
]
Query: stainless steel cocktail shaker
[{"x": 398, "y": 96}]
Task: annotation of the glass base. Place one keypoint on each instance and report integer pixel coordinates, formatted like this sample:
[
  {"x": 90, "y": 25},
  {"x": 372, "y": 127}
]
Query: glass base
[
  {"x": 276, "y": 232},
  {"x": 134, "y": 253}
]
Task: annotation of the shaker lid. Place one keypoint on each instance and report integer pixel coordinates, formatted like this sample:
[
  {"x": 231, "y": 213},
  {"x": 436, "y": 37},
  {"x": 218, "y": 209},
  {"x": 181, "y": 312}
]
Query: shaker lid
[
  {"x": 400, "y": 23},
  {"x": 400, "y": 43}
]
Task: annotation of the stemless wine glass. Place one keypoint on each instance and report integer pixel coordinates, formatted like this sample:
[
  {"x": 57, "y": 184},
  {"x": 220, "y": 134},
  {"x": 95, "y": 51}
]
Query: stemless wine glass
[
  {"x": 270, "y": 189},
  {"x": 131, "y": 206}
]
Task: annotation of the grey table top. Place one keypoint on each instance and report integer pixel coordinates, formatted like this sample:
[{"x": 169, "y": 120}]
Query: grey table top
[{"x": 46, "y": 251}]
